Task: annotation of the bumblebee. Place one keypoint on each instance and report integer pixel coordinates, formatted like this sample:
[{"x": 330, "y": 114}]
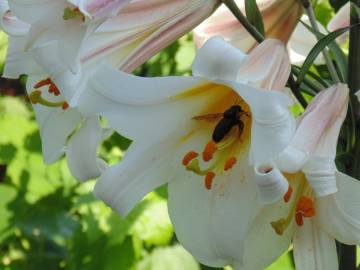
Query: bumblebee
[{"x": 228, "y": 119}]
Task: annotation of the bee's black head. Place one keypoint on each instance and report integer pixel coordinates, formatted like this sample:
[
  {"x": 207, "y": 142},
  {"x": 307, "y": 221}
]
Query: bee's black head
[{"x": 233, "y": 111}]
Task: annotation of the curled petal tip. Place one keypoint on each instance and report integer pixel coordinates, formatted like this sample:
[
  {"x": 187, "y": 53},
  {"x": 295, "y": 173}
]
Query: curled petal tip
[
  {"x": 321, "y": 175},
  {"x": 271, "y": 183}
]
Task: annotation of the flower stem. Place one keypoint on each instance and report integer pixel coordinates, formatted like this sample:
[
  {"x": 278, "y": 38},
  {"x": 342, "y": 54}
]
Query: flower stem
[
  {"x": 310, "y": 12},
  {"x": 232, "y": 6}
]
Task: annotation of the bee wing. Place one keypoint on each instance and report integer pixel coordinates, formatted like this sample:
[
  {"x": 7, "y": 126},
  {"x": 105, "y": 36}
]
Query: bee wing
[{"x": 209, "y": 117}]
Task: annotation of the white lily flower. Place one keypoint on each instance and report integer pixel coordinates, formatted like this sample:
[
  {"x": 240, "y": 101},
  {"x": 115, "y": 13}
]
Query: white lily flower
[
  {"x": 197, "y": 133},
  {"x": 302, "y": 41},
  {"x": 124, "y": 37},
  {"x": 321, "y": 201}
]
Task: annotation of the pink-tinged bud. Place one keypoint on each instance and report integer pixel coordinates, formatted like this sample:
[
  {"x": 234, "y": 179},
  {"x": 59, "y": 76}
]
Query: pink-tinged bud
[
  {"x": 280, "y": 18},
  {"x": 318, "y": 128},
  {"x": 127, "y": 41}
]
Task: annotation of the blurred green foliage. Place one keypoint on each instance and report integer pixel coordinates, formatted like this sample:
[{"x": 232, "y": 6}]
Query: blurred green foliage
[{"x": 49, "y": 221}]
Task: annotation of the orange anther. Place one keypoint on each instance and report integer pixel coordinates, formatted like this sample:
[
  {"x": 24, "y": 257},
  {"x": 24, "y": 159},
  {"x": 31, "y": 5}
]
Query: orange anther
[
  {"x": 209, "y": 180},
  {"x": 230, "y": 163},
  {"x": 209, "y": 151},
  {"x": 299, "y": 219},
  {"x": 288, "y": 194},
  {"x": 42, "y": 83},
  {"x": 54, "y": 90},
  {"x": 189, "y": 157},
  {"x": 65, "y": 105},
  {"x": 306, "y": 207}
]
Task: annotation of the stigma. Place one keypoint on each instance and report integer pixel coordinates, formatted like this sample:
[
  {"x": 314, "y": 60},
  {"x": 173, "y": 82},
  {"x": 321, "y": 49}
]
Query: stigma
[
  {"x": 37, "y": 98},
  {"x": 73, "y": 13}
]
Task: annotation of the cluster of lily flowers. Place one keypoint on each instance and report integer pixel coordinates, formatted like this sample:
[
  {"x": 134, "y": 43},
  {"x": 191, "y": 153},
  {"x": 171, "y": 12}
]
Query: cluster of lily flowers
[{"x": 246, "y": 179}]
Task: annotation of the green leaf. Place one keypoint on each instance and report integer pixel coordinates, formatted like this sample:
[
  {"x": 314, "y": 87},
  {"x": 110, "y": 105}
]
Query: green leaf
[
  {"x": 339, "y": 55},
  {"x": 323, "y": 11},
  {"x": 153, "y": 226},
  {"x": 253, "y": 14},
  {"x": 316, "y": 50},
  {"x": 285, "y": 262},
  {"x": 174, "y": 258}
]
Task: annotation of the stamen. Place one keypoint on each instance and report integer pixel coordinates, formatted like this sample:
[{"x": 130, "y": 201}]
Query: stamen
[
  {"x": 288, "y": 194},
  {"x": 48, "y": 82},
  {"x": 209, "y": 180},
  {"x": 54, "y": 90},
  {"x": 299, "y": 219},
  {"x": 189, "y": 157},
  {"x": 209, "y": 151},
  {"x": 65, "y": 105},
  {"x": 281, "y": 225},
  {"x": 42, "y": 83},
  {"x": 230, "y": 163},
  {"x": 36, "y": 98},
  {"x": 305, "y": 206}
]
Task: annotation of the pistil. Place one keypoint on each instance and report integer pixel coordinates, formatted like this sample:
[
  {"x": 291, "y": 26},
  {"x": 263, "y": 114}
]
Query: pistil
[
  {"x": 73, "y": 13},
  {"x": 36, "y": 98}
]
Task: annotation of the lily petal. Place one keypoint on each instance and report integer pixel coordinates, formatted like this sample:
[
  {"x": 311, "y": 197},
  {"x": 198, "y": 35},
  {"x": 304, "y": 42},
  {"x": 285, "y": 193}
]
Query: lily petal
[
  {"x": 271, "y": 184},
  {"x": 262, "y": 239},
  {"x": 218, "y": 59},
  {"x": 153, "y": 97},
  {"x": 81, "y": 151},
  {"x": 302, "y": 41},
  {"x": 338, "y": 214},
  {"x": 220, "y": 218},
  {"x": 314, "y": 248},
  {"x": 123, "y": 185},
  {"x": 19, "y": 62},
  {"x": 9, "y": 23},
  {"x": 99, "y": 8},
  {"x": 321, "y": 175},
  {"x": 341, "y": 18},
  {"x": 318, "y": 128}
]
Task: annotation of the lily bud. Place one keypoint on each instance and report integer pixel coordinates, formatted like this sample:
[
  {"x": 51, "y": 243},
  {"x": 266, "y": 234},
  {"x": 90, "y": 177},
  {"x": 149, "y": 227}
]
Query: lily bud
[{"x": 280, "y": 18}]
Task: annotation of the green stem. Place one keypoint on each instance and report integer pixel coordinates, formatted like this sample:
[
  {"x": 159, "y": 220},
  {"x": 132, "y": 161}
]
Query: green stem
[{"x": 231, "y": 5}]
